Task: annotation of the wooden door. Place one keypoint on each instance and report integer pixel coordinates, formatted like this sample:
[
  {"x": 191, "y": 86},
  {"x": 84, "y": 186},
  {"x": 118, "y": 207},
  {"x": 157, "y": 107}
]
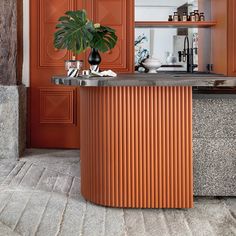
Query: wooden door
[
  {"x": 119, "y": 15},
  {"x": 231, "y": 38},
  {"x": 54, "y": 110}
]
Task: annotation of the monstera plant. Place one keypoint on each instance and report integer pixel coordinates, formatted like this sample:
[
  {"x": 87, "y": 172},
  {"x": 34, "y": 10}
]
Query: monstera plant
[{"x": 76, "y": 33}]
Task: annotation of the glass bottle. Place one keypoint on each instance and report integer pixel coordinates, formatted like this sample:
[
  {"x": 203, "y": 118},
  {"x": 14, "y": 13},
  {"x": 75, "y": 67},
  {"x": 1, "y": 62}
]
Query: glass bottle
[
  {"x": 176, "y": 16},
  {"x": 197, "y": 16},
  {"x": 184, "y": 17},
  {"x": 170, "y": 18},
  {"x": 192, "y": 16},
  {"x": 202, "y": 16}
]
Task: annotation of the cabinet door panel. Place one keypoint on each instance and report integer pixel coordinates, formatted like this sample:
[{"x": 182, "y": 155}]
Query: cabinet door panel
[
  {"x": 118, "y": 14},
  {"x": 54, "y": 110}
]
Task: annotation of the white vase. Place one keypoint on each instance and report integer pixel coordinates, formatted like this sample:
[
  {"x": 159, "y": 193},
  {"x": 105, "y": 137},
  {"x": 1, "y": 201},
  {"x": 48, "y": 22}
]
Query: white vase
[
  {"x": 171, "y": 59},
  {"x": 152, "y": 64}
]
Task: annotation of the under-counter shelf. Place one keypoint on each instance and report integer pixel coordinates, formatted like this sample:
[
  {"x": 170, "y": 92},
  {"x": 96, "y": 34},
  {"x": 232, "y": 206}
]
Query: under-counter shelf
[{"x": 175, "y": 24}]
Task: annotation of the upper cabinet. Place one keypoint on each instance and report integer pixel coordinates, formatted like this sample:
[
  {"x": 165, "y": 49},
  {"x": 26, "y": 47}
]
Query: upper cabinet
[{"x": 118, "y": 14}]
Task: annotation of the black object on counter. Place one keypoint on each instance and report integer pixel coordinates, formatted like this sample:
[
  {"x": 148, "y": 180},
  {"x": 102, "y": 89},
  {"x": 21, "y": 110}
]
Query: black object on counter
[{"x": 94, "y": 58}]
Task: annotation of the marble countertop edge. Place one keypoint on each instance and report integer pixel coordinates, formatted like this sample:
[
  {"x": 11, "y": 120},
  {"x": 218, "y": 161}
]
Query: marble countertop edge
[{"x": 211, "y": 80}]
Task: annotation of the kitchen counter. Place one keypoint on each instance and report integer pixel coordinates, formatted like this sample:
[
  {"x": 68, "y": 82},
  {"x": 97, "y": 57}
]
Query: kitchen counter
[
  {"x": 201, "y": 80},
  {"x": 136, "y": 137}
]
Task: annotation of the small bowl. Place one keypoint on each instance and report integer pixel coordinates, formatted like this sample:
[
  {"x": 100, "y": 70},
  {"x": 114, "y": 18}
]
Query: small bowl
[{"x": 152, "y": 64}]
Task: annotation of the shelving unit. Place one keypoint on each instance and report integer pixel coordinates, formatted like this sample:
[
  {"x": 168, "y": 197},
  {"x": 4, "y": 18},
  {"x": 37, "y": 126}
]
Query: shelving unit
[{"x": 173, "y": 24}]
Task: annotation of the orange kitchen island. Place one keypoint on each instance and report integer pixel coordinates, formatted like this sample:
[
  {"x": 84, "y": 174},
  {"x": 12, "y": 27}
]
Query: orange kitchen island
[
  {"x": 136, "y": 146},
  {"x": 136, "y": 138}
]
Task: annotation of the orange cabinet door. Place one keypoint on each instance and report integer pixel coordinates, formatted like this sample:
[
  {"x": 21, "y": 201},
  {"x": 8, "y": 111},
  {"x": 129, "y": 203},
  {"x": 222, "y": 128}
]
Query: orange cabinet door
[
  {"x": 53, "y": 110},
  {"x": 119, "y": 15},
  {"x": 231, "y": 38}
]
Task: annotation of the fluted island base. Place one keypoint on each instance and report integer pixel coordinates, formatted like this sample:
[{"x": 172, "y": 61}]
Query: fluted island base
[{"x": 136, "y": 146}]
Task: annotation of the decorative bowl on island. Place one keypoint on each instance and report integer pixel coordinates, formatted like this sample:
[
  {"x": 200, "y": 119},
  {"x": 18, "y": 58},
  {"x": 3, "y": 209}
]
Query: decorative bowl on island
[{"x": 152, "y": 64}]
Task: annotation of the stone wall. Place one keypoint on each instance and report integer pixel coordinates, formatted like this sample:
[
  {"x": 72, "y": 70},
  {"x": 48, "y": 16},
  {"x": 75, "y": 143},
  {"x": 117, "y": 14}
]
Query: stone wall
[
  {"x": 214, "y": 145},
  {"x": 12, "y": 121},
  {"x": 12, "y": 94},
  {"x": 8, "y": 42}
]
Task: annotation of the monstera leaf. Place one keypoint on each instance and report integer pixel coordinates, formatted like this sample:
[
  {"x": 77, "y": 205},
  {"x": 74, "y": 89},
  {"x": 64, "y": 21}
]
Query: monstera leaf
[
  {"x": 104, "y": 38},
  {"x": 74, "y": 32}
]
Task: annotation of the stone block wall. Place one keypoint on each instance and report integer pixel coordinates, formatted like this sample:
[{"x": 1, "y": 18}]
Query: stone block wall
[
  {"x": 12, "y": 94},
  {"x": 8, "y": 42},
  {"x": 12, "y": 121},
  {"x": 214, "y": 145}
]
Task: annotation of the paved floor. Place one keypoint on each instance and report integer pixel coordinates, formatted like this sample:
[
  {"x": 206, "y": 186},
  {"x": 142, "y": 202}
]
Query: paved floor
[{"x": 40, "y": 195}]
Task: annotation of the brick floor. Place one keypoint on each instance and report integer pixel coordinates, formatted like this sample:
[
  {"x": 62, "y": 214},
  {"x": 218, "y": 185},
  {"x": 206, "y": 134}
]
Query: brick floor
[{"x": 40, "y": 195}]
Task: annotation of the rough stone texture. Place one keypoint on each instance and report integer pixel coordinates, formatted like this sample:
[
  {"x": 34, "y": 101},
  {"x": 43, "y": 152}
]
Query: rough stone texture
[
  {"x": 214, "y": 116},
  {"x": 214, "y": 145},
  {"x": 214, "y": 167},
  {"x": 8, "y": 42},
  {"x": 12, "y": 121},
  {"x": 40, "y": 195}
]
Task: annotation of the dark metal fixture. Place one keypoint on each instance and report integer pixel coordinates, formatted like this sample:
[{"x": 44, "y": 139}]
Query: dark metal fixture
[{"x": 187, "y": 55}]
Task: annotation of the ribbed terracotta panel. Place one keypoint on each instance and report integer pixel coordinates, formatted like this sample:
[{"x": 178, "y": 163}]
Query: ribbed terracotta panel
[{"x": 136, "y": 146}]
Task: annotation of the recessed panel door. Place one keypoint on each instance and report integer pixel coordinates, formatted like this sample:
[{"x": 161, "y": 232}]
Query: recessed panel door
[{"x": 53, "y": 110}]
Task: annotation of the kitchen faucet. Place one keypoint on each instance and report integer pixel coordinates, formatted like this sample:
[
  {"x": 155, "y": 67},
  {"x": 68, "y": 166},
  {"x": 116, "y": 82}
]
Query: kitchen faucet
[{"x": 187, "y": 54}]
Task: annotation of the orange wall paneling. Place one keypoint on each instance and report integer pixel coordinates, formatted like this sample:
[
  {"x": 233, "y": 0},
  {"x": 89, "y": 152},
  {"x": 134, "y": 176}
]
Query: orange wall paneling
[
  {"x": 53, "y": 110},
  {"x": 219, "y": 11},
  {"x": 224, "y": 37},
  {"x": 119, "y": 15},
  {"x": 136, "y": 146}
]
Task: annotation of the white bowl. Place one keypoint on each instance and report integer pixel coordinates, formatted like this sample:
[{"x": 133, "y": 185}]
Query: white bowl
[{"x": 152, "y": 64}]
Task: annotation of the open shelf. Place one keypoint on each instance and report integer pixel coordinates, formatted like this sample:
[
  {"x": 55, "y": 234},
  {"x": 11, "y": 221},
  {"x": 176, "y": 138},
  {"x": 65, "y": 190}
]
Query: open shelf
[{"x": 175, "y": 24}]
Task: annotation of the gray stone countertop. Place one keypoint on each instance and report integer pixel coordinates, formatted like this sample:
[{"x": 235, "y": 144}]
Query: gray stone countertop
[{"x": 160, "y": 79}]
